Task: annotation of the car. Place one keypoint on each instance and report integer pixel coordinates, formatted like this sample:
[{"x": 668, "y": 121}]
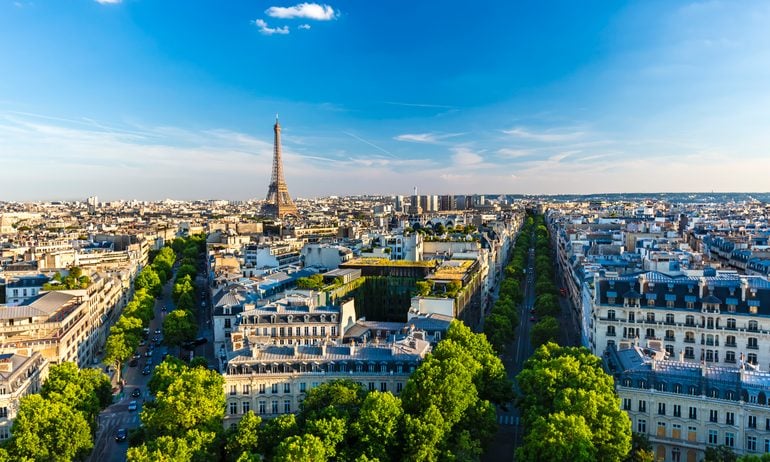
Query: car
[
  {"x": 137, "y": 355},
  {"x": 136, "y": 393},
  {"x": 194, "y": 343},
  {"x": 157, "y": 331},
  {"x": 148, "y": 353},
  {"x": 149, "y": 362},
  {"x": 146, "y": 370},
  {"x": 121, "y": 434},
  {"x": 163, "y": 309},
  {"x": 156, "y": 339},
  {"x": 132, "y": 405},
  {"x": 133, "y": 362},
  {"x": 533, "y": 319},
  {"x": 142, "y": 342}
]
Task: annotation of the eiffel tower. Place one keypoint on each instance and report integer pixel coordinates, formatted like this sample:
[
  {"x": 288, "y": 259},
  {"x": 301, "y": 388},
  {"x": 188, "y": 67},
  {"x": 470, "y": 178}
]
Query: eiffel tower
[{"x": 278, "y": 203}]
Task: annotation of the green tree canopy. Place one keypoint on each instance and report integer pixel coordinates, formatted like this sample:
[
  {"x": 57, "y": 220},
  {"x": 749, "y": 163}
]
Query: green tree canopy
[
  {"x": 46, "y": 430},
  {"x": 544, "y": 331}
]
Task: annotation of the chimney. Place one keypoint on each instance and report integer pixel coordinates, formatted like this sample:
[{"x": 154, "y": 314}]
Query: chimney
[
  {"x": 352, "y": 348},
  {"x": 323, "y": 349}
]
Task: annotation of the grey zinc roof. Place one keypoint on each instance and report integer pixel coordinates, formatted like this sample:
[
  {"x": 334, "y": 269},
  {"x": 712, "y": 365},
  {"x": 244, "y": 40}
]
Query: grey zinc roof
[{"x": 42, "y": 305}]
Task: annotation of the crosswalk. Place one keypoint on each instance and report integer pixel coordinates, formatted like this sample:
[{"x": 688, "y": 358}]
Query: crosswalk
[
  {"x": 507, "y": 419},
  {"x": 119, "y": 419}
]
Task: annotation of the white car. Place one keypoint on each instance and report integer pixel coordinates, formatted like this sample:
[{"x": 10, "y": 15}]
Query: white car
[{"x": 132, "y": 405}]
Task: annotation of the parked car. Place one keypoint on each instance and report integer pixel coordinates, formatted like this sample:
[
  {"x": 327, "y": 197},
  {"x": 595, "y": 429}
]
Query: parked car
[
  {"x": 136, "y": 393},
  {"x": 148, "y": 353},
  {"x": 137, "y": 355},
  {"x": 133, "y": 362},
  {"x": 533, "y": 319},
  {"x": 132, "y": 405},
  {"x": 121, "y": 434},
  {"x": 146, "y": 370},
  {"x": 157, "y": 331}
]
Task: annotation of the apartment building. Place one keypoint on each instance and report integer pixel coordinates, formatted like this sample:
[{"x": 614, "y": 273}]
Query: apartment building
[
  {"x": 685, "y": 407},
  {"x": 21, "y": 372},
  {"x": 272, "y": 379},
  {"x": 720, "y": 318}
]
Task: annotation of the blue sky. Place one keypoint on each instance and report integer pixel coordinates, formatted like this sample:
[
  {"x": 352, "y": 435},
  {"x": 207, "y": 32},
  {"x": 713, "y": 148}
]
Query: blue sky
[{"x": 148, "y": 100}]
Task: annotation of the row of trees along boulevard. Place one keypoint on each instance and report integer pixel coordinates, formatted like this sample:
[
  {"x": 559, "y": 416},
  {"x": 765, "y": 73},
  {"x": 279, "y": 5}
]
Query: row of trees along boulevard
[
  {"x": 180, "y": 325},
  {"x": 501, "y": 323}
]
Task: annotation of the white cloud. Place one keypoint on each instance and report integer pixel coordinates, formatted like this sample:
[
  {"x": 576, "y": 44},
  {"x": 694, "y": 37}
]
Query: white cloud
[
  {"x": 267, "y": 30},
  {"x": 303, "y": 10},
  {"x": 546, "y": 136},
  {"x": 108, "y": 2},
  {"x": 425, "y": 137},
  {"x": 513, "y": 153},
  {"x": 465, "y": 157},
  {"x": 304, "y": 26}
]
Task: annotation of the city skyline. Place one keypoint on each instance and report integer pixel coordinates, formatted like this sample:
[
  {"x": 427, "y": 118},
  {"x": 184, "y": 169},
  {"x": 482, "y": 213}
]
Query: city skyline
[{"x": 133, "y": 100}]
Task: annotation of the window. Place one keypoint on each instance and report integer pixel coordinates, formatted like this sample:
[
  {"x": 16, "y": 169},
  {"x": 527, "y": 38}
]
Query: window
[
  {"x": 730, "y": 341},
  {"x": 661, "y": 429},
  {"x": 227, "y": 323},
  {"x": 286, "y": 406},
  {"x": 689, "y": 337},
  {"x": 261, "y": 388},
  {"x": 371, "y": 386},
  {"x": 4, "y": 433},
  {"x": 662, "y": 408},
  {"x": 302, "y": 387},
  {"x": 246, "y": 389},
  {"x": 730, "y": 418},
  {"x": 610, "y": 331},
  {"x": 3, "y": 412},
  {"x": 713, "y": 416},
  {"x": 753, "y": 326},
  {"x": 677, "y": 410},
  {"x": 611, "y": 315},
  {"x": 275, "y": 406},
  {"x": 233, "y": 389},
  {"x": 676, "y": 455},
  {"x": 399, "y": 387},
  {"x": 730, "y": 439},
  {"x": 752, "y": 421},
  {"x": 287, "y": 388},
  {"x": 641, "y": 426},
  {"x": 642, "y": 406},
  {"x": 315, "y": 331},
  {"x": 383, "y": 386},
  {"x": 274, "y": 388},
  {"x": 669, "y": 318},
  {"x": 650, "y": 333},
  {"x": 751, "y": 443},
  {"x": 670, "y": 350},
  {"x": 689, "y": 320},
  {"x": 713, "y": 437},
  {"x": 650, "y": 317},
  {"x": 323, "y": 331},
  {"x": 245, "y": 407},
  {"x": 752, "y": 343},
  {"x": 693, "y": 412},
  {"x": 262, "y": 407},
  {"x": 729, "y": 356},
  {"x": 689, "y": 353},
  {"x": 670, "y": 336},
  {"x": 767, "y": 445},
  {"x": 751, "y": 358},
  {"x": 233, "y": 408},
  {"x": 731, "y": 323}
]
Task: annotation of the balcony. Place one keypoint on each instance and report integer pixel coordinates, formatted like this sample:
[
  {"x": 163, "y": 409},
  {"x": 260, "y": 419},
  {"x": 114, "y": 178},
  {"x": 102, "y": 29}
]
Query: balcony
[
  {"x": 669, "y": 339},
  {"x": 731, "y": 344},
  {"x": 689, "y": 340},
  {"x": 752, "y": 346}
]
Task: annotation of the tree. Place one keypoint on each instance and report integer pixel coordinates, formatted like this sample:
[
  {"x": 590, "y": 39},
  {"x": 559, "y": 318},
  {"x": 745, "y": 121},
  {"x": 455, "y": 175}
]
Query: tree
[
  {"x": 304, "y": 448},
  {"x": 641, "y": 449},
  {"x": 377, "y": 427},
  {"x": 314, "y": 282},
  {"x": 572, "y": 381},
  {"x": 86, "y": 390},
  {"x": 148, "y": 279},
  {"x": 117, "y": 349},
  {"x": 245, "y": 438},
  {"x": 423, "y": 435},
  {"x": 544, "y": 331},
  {"x": 558, "y": 436},
  {"x": 194, "y": 399},
  {"x": 274, "y": 431},
  {"x": 720, "y": 454},
  {"x": 49, "y": 430},
  {"x": 179, "y": 327},
  {"x": 498, "y": 330},
  {"x": 424, "y": 288},
  {"x": 337, "y": 398},
  {"x": 547, "y": 305}
]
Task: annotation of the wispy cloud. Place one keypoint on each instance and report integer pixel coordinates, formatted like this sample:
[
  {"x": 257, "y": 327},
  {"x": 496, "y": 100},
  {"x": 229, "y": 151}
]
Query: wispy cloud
[
  {"x": 303, "y": 26},
  {"x": 303, "y": 10},
  {"x": 465, "y": 157},
  {"x": 369, "y": 143},
  {"x": 425, "y": 105},
  {"x": 513, "y": 153},
  {"x": 108, "y": 2},
  {"x": 544, "y": 136},
  {"x": 267, "y": 30},
  {"x": 425, "y": 137}
]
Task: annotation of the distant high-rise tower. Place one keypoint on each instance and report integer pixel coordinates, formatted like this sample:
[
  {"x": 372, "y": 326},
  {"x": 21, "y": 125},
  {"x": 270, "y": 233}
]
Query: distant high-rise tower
[{"x": 278, "y": 203}]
